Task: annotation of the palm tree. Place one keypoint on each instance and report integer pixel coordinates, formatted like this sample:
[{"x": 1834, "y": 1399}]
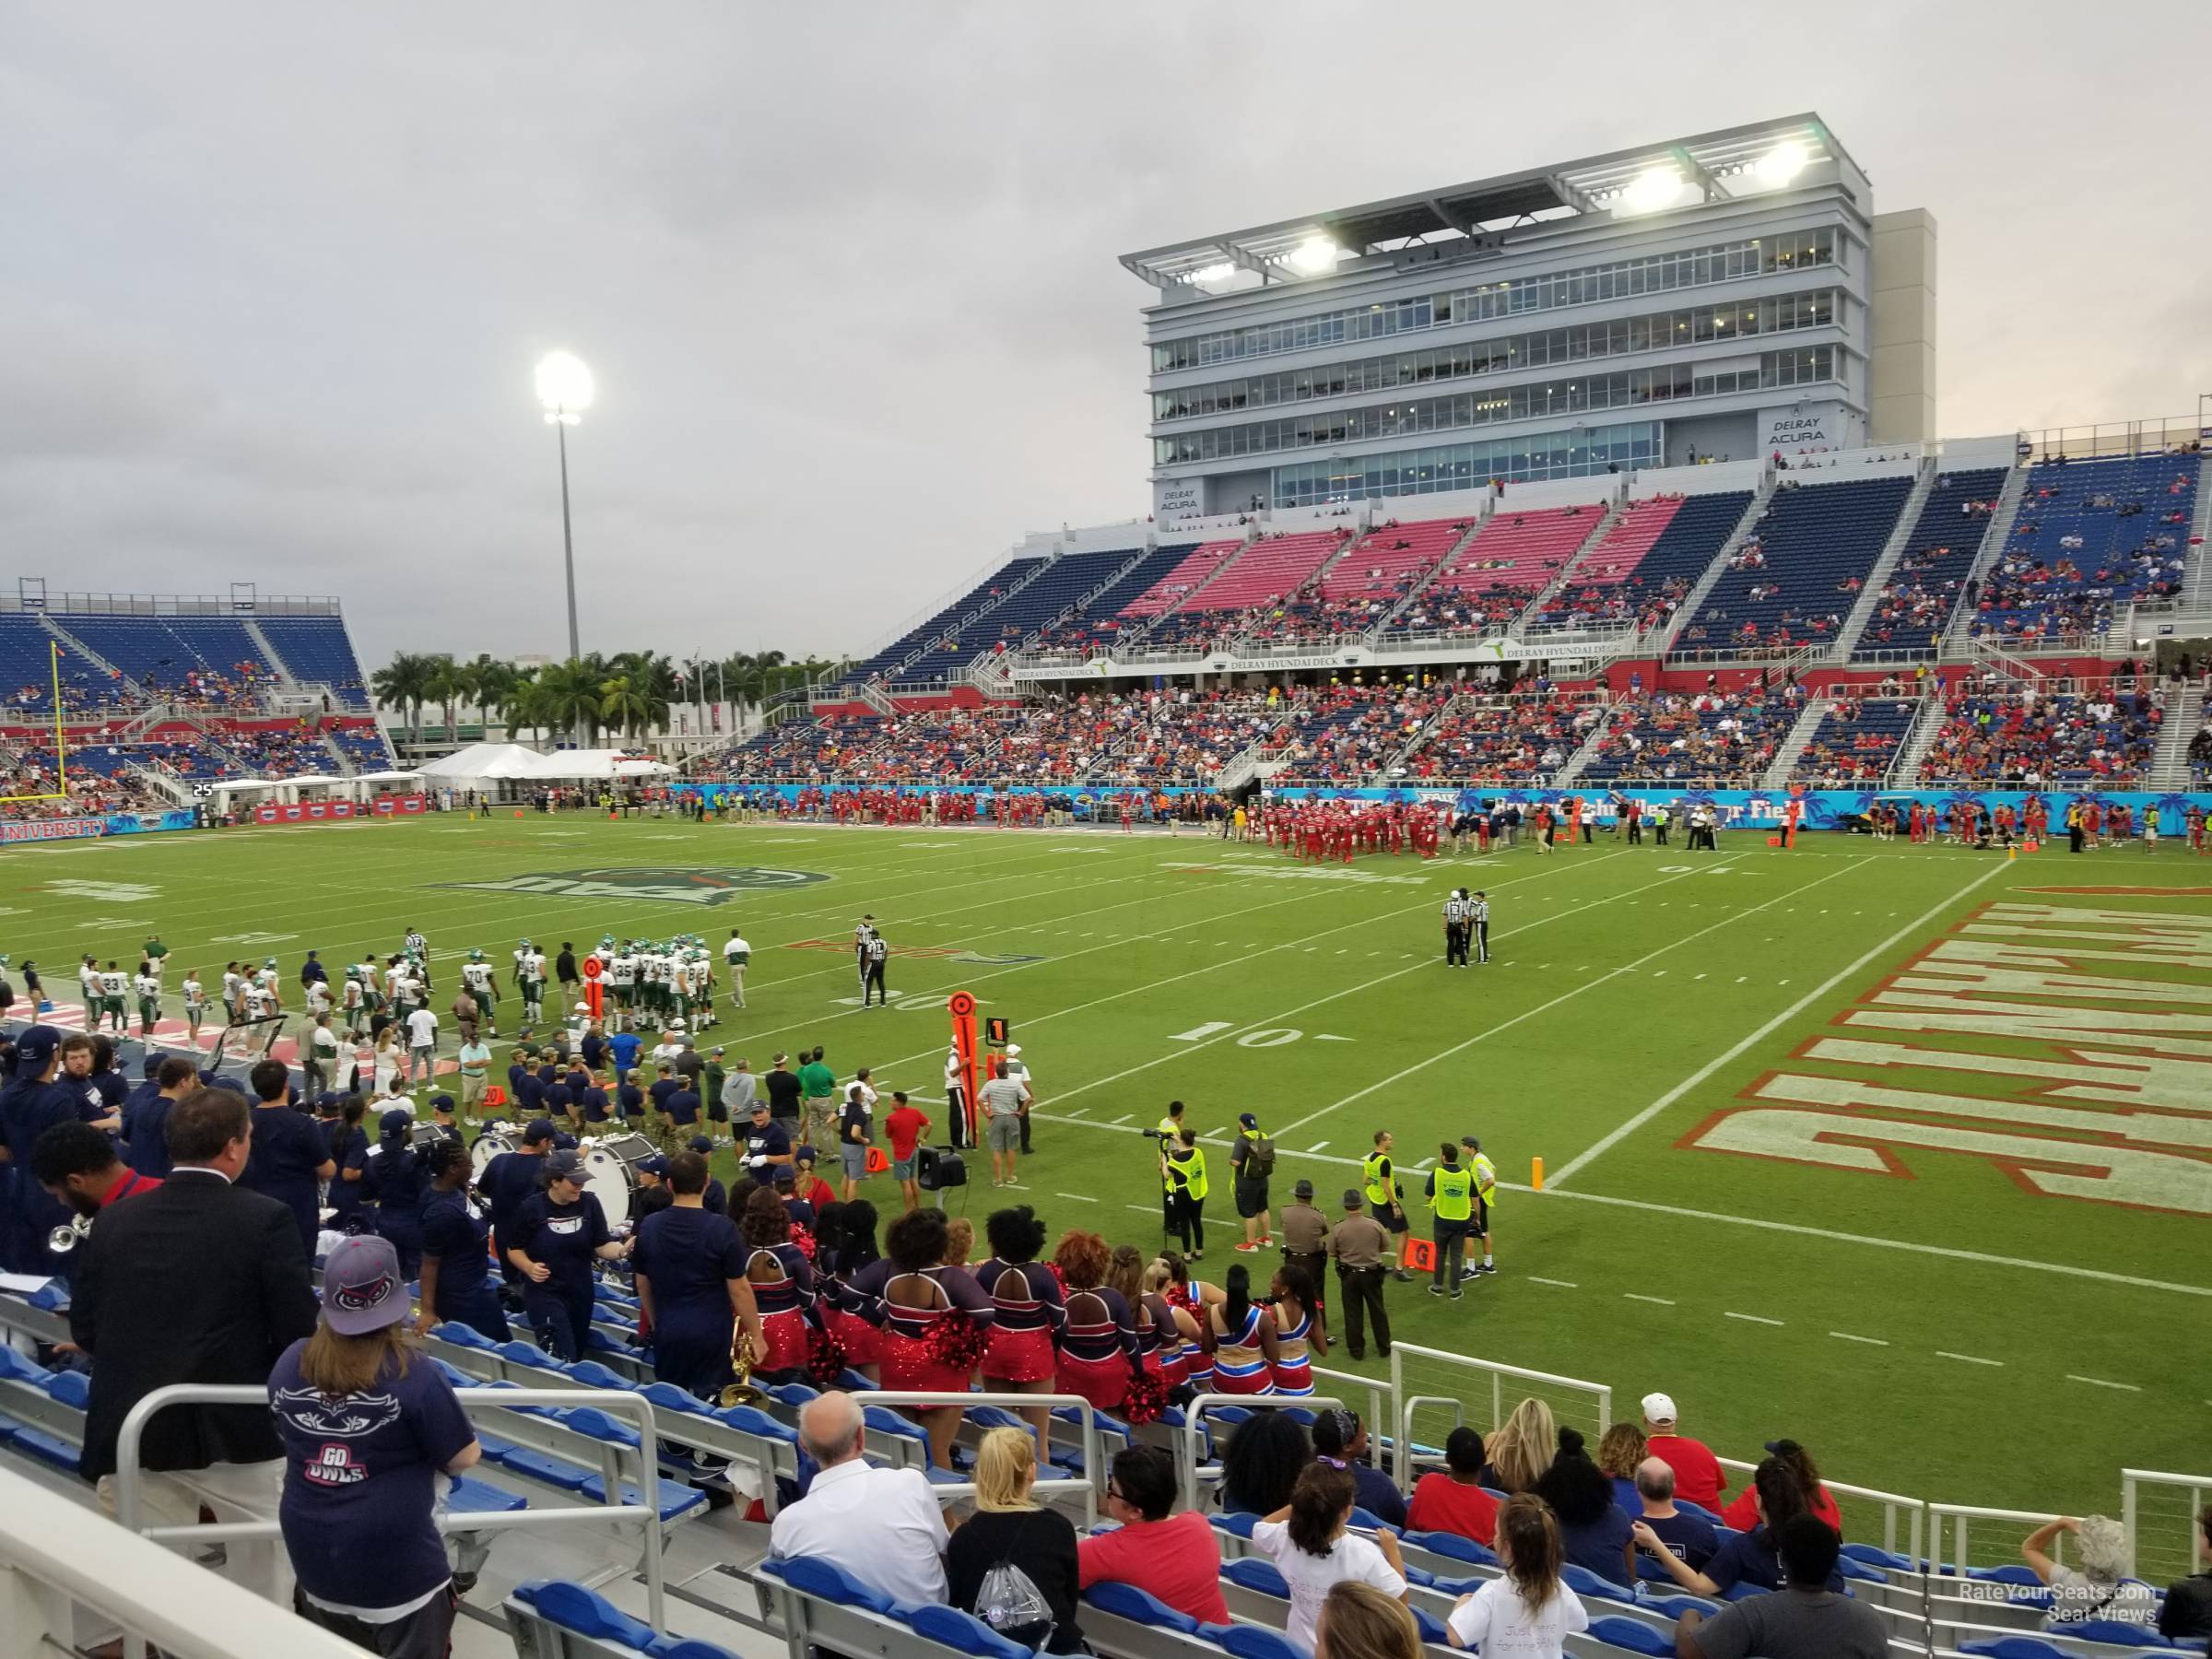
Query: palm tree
[
  {"x": 624, "y": 702},
  {"x": 406, "y": 683},
  {"x": 569, "y": 695},
  {"x": 448, "y": 686},
  {"x": 488, "y": 680},
  {"x": 521, "y": 703}
]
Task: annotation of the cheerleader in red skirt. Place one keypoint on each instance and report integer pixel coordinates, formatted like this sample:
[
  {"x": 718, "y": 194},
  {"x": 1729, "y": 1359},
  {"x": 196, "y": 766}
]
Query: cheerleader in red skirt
[
  {"x": 1030, "y": 1311},
  {"x": 1243, "y": 1338},
  {"x": 1163, "y": 1330},
  {"x": 1189, "y": 1297},
  {"x": 845, "y": 1247},
  {"x": 1301, "y": 1336},
  {"x": 782, "y": 1282},
  {"x": 1099, "y": 1352},
  {"x": 935, "y": 1322}
]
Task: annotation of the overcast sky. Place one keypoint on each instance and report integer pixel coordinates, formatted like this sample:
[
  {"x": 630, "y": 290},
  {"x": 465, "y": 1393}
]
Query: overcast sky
[{"x": 273, "y": 277}]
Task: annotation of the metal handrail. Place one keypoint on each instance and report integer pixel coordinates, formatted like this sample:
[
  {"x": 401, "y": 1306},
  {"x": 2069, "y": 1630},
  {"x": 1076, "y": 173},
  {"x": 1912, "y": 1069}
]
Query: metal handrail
[
  {"x": 1499, "y": 1371},
  {"x": 1893, "y": 1504},
  {"x": 1088, "y": 1485},
  {"x": 129, "y": 1494}
]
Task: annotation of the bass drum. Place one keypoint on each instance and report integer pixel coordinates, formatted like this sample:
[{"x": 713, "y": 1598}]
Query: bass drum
[
  {"x": 496, "y": 1137},
  {"x": 611, "y": 1172}
]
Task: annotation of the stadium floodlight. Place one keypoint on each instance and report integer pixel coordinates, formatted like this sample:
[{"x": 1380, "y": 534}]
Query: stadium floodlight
[
  {"x": 1780, "y": 164},
  {"x": 565, "y": 388},
  {"x": 1213, "y": 273},
  {"x": 1651, "y": 190},
  {"x": 1314, "y": 255}
]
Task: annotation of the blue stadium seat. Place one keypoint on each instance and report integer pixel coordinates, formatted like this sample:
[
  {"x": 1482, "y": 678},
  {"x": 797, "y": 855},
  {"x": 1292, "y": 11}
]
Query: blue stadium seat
[
  {"x": 2115, "y": 1633},
  {"x": 1237, "y": 1522},
  {"x": 751, "y": 1420},
  {"x": 1252, "y": 1574},
  {"x": 965, "y": 1633},
  {"x": 544, "y": 1467},
  {"x": 831, "y": 1582},
  {"x": 2015, "y": 1647},
  {"x": 1139, "y": 1606},
  {"x": 1451, "y": 1544},
  {"x": 676, "y": 1499},
  {"x": 667, "y": 1396},
  {"x": 1632, "y": 1636},
  {"x": 1584, "y": 1582},
  {"x": 592, "y": 1374},
  {"x": 1254, "y": 1641},
  {"x": 1431, "y": 1626},
  {"x": 1812, "y": 543},
  {"x": 584, "y": 1611},
  {"x": 71, "y": 1388},
  {"x": 468, "y": 1497}
]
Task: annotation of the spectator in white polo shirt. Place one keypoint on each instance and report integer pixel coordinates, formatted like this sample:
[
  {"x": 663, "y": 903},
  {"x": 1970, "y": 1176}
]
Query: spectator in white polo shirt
[
  {"x": 1018, "y": 1070},
  {"x": 881, "y": 1525}
]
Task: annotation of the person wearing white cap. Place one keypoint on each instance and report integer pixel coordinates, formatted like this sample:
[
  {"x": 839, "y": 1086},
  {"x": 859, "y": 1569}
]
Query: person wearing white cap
[
  {"x": 1018, "y": 1069},
  {"x": 737, "y": 956},
  {"x": 1699, "y": 1478},
  {"x": 367, "y": 1424}
]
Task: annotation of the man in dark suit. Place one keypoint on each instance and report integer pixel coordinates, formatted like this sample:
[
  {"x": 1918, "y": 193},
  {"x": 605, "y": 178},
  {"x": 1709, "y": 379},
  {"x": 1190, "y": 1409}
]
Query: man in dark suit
[{"x": 196, "y": 1281}]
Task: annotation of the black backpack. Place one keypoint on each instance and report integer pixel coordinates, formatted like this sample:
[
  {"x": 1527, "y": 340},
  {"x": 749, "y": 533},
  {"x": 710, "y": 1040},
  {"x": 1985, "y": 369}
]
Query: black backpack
[{"x": 1259, "y": 1157}]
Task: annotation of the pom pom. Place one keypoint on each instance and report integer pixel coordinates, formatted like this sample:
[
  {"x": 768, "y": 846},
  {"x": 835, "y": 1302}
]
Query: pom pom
[
  {"x": 956, "y": 1341},
  {"x": 825, "y": 1356},
  {"x": 1059, "y": 1278},
  {"x": 1147, "y": 1398},
  {"x": 803, "y": 1242}
]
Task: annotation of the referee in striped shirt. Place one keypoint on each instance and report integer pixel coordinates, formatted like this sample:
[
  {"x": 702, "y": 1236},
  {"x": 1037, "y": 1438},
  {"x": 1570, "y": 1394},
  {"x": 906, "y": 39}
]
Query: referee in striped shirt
[
  {"x": 1459, "y": 915},
  {"x": 1480, "y": 922}
]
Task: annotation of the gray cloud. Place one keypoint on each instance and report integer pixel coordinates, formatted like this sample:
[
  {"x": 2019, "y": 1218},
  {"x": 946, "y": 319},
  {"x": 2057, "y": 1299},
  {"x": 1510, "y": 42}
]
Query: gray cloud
[{"x": 273, "y": 280}]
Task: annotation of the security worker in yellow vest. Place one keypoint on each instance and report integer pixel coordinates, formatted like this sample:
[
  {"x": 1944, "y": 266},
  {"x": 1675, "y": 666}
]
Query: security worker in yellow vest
[
  {"x": 1169, "y": 1132},
  {"x": 1451, "y": 1207},
  {"x": 1383, "y": 1193},
  {"x": 1486, "y": 1197},
  {"x": 1186, "y": 1192}
]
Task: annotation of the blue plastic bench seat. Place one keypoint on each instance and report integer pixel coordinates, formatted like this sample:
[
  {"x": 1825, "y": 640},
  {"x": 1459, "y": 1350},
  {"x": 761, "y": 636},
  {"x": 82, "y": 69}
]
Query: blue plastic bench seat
[
  {"x": 71, "y": 1388},
  {"x": 47, "y": 1448},
  {"x": 523, "y": 1354},
  {"x": 545, "y": 1467},
  {"x": 591, "y": 1373},
  {"x": 480, "y": 1498},
  {"x": 456, "y": 1334},
  {"x": 1139, "y": 1606},
  {"x": 586, "y": 1612},
  {"x": 676, "y": 1500}
]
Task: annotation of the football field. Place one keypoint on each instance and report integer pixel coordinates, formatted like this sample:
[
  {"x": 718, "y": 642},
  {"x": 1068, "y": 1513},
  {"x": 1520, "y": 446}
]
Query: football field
[{"x": 1874, "y": 1146}]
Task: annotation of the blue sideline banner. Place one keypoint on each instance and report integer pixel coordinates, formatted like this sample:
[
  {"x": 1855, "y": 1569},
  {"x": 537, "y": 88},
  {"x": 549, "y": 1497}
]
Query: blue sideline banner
[
  {"x": 1739, "y": 809},
  {"x": 94, "y": 826}
]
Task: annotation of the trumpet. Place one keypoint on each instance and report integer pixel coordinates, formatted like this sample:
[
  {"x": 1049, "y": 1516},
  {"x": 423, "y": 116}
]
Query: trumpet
[
  {"x": 740, "y": 1392},
  {"x": 63, "y": 1239}
]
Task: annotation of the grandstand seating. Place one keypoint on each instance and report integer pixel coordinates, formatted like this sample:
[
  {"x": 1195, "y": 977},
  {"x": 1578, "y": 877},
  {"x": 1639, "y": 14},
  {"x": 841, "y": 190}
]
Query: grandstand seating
[
  {"x": 1490, "y": 581},
  {"x": 2016, "y": 735},
  {"x": 1100, "y": 622},
  {"x": 1269, "y": 571},
  {"x": 1856, "y": 742},
  {"x": 1715, "y": 740},
  {"x": 1055, "y": 589},
  {"x": 2091, "y": 537},
  {"x": 316, "y": 649},
  {"x": 1643, "y": 567},
  {"x": 1798, "y": 574},
  {"x": 1179, "y": 582},
  {"x": 933, "y": 648},
  {"x": 1923, "y": 589},
  {"x": 802, "y": 748},
  {"x": 26, "y": 670},
  {"x": 212, "y": 660},
  {"x": 1499, "y": 740},
  {"x": 1358, "y": 590}
]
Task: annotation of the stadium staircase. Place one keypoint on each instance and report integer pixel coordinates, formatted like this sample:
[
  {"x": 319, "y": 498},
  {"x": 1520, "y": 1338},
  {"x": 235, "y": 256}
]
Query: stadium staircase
[
  {"x": 1816, "y": 710},
  {"x": 1081, "y": 602},
  {"x": 1912, "y": 754},
  {"x": 1993, "y": 537},
  {"x": 160, "y": 782},
  {"x": 285, "y": 676},
  {"x": 1572, "y": 771},
  {"x": 2198, "y": 594},
  {"x": 1412, "y": 744},
  {"x": 1189, "y": 602},
  {"x": 70, "y": 642},
  {"x": 2185, "y": 713},
  {"x": 1615, "y": 511},
  {"x": 1428, "y": 575},
  {"x": 339, "y": 758},
  {"x": 1885, "y": 563},
  {"x": 1694, "y": 601}
]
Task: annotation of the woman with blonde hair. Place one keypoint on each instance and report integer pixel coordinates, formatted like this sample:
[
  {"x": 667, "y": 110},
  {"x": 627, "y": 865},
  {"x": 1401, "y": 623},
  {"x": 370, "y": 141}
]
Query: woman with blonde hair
[
  {"x": 1013, "y": 1562},
  {"x": 1522, "y": 1449},
  {"x": 1530, "y": 1611},
  {"x": 1358, "y": 1621}
]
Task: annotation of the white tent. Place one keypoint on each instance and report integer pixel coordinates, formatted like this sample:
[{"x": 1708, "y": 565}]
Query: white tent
[{"x": 507, "y": 762}]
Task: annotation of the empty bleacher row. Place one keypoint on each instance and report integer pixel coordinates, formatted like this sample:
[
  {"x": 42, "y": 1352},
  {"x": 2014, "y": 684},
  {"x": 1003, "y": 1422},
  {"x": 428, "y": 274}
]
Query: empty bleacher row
[
  {"x": 122, "y": 661},
  {"x": 1646, "y": 563},
  {"x": 1929, "y": 579},
  {"x": 1798, "y": 575}
]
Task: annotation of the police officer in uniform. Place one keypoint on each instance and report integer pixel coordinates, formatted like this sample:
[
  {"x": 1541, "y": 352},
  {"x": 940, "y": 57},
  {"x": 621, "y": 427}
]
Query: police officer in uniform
[
  {"x": 874, "y": 954},
  {"x": 1479, "y": 924},
  {"x": 1361, "y": 1246},
  {"x": 1451, "y": 1207},
  {"x": 1380, "y": 1180},
  {"x": 1459, "y": 912},
  {"x": 1305, "y": 1233}
]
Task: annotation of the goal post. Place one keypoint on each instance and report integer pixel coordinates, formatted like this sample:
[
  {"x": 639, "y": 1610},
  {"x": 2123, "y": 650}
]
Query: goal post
[{"x": 61, "y": 746}]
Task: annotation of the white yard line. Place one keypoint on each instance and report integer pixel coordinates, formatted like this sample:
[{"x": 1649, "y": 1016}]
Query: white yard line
[
  {"x": 1969, "y": 1359},
  {"x": 1582, "y": 1159},
  {"x": 2101, "y": 1382},
  {"x": 1590, "y": 985},
  {"x": 1869, "y": 1341},
  {"x": 1751, "y": 1318}
]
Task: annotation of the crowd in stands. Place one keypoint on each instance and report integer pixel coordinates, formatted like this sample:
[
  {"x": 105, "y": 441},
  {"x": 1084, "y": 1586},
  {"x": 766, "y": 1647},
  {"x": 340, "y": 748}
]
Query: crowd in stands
[
  {"x": 2091, "y": 537},
  {"x": 1499, "y": 740},
  {"x": 1712, "y": 739},
  {"x": 1799, "y": 573},
  {"x": 1933, "y": 570},
  {"x": 2029, "y": 738},
  {"x": 1856, "y": 741}
]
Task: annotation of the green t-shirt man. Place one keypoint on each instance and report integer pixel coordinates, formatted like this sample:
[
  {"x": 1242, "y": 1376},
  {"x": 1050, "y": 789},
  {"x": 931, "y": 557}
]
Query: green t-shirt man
[
  {"x": 817, "y": 1081},
  {"x": 153, "y": 950}
]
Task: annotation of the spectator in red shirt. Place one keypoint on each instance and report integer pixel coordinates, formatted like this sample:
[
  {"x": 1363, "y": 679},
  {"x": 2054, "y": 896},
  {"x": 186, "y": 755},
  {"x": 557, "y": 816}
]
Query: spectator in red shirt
[
  {"x": 77, "y": 1164},
  {"x": 1699, "y": 1478},
  {"x": 1451, "y": 1498},
  {"x": 1742, "y": 1514},
  {"x": 904, "y": 1126},
  {"x": 812, "y": 1189},
  {"x": 1172, "y": 1557}
]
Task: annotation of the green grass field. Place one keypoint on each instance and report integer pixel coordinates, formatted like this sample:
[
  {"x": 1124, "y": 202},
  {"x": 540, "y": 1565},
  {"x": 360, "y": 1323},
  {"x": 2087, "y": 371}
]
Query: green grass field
[{"x": 1893, "y": 1316}]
